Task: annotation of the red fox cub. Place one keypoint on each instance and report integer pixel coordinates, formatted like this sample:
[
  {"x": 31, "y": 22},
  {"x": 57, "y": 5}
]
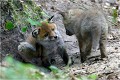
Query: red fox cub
[
  {"x": 42, "y": 44},
  {"x": 90, "y": 28}
]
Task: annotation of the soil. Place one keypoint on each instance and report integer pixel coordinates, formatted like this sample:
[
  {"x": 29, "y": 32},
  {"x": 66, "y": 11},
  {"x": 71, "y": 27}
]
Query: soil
[{"x": 107, "y": 69}]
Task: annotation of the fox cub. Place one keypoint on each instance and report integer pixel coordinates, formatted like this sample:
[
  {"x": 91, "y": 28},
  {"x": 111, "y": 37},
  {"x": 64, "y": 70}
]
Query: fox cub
[
  {"x": 90, "y": 28},
  {"x": 42, "y": 44}
]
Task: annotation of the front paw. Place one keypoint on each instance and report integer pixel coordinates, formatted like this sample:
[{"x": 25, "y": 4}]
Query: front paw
[
  {"x": 53, "y": 61},
  {"x": 21, "y": 47},
  {"x": 83, "y": 59},
  {"x": 71, "y": 61}
]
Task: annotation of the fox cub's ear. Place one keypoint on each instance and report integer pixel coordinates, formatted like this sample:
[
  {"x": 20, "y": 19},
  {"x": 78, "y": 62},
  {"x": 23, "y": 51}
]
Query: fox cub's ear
[
  {"x": 50, "y": 18},
  {"x": 35, "y": 33}
]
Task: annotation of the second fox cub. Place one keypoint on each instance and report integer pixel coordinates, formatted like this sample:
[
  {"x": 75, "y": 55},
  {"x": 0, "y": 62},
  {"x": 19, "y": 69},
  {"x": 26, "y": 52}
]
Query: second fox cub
[
  {"x": 42, "y": 44},
  {"x": 90, "y": 28}
]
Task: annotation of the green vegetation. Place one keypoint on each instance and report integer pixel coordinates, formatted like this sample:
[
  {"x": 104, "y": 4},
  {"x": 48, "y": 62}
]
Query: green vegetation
[
  {"x": 16, "y": 70},
  {"x": 114, "y": 15},
  {"x": 24, "y": 14},
  {"x": 9, "y": 25}
]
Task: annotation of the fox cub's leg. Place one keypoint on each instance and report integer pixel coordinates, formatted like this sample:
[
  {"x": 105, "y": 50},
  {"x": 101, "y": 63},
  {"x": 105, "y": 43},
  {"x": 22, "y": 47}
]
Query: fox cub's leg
[
  {"x": 45, "y": 58},
  {"x": 102, "y": 45},
  {"x": 82, "y": 46},
  {"x": 63, "y": 53},
  {"x": 25, "y": 46},
  {"x": 32, "y": 55},
  {"x": 27, "y": 51}
]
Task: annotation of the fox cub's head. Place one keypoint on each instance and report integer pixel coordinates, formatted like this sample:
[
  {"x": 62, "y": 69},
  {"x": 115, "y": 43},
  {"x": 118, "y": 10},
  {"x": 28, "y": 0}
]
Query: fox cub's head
[
  {"x": 45, "y": 32},
  {"x": 69, "y": 17}
]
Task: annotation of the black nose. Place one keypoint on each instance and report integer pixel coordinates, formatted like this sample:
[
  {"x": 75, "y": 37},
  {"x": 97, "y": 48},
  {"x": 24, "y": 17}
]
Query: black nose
[
  {"x": 55, "y": 37},
  {"x": 52, "y": 37},
  {"x": 69, "y": 33}
]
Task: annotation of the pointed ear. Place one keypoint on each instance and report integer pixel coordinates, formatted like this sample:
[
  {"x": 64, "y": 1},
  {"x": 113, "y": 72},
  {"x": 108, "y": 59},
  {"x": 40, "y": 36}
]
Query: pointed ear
[
  {"x": 50, "y": 18},
  {"x": 36, "y": 32},
  {"x": 62, "y": 13}
]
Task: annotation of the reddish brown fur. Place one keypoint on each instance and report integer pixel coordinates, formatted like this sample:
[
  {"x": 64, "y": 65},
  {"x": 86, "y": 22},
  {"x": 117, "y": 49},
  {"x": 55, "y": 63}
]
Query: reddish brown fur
[{"x": 47, "y": 28}]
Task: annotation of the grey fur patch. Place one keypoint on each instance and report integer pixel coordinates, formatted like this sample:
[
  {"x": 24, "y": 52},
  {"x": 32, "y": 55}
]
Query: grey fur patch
[{"x": 25, "y": 44}]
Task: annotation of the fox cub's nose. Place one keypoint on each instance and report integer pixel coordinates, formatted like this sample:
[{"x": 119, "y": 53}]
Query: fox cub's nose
[
  {"x": 55, "y": 37},
  {"x": 52, "y": 37}
]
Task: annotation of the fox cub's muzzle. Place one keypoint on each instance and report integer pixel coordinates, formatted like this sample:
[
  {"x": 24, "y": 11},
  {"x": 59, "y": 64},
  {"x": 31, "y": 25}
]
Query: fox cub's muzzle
[{"x": 53, "y": 37}]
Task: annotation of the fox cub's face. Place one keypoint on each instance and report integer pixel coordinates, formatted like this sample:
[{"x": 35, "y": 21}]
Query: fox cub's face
[{"x": 45, "y": 32}]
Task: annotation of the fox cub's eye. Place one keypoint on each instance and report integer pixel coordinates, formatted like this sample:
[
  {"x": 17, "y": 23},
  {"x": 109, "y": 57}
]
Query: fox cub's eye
[
  {"x": 46, "y": 35},
  {"x": 53, "y": 29}
]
